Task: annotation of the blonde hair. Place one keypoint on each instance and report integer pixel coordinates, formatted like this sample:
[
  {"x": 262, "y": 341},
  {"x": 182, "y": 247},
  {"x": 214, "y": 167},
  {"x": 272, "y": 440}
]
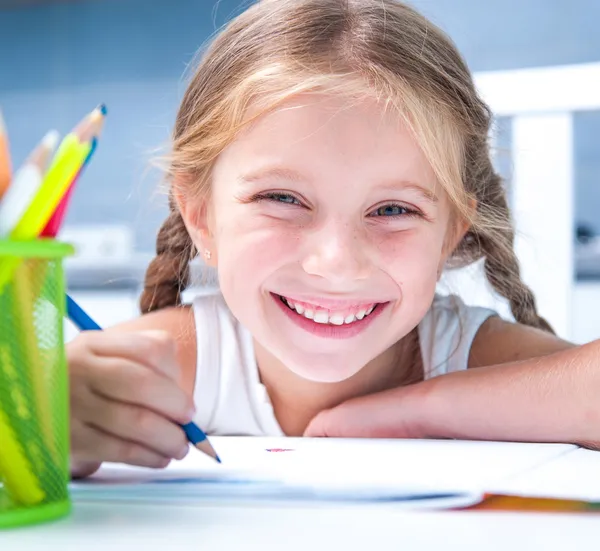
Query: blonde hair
[{"x": 378, "y": 48}]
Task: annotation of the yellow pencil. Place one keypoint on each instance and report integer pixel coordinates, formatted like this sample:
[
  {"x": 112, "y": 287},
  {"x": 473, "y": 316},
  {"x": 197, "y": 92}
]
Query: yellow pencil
[
  {"x": 90, "y": 129},
  {"x": 15, "y": 469},
  {"x": 23, "y": 314},
  {"x": 5, "y": 164},
  {"x": 68, "y": 160}
]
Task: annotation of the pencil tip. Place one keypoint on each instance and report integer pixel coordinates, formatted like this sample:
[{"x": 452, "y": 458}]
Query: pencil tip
[
  {"x": 205, "y": 447},
  {"x": 50, "y": 140},
  {"x": 103, "y": 109}
]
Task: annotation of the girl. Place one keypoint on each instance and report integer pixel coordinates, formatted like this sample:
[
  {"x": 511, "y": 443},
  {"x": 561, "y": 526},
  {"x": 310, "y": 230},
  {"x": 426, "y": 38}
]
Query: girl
[{"x": 330, "y": 159}]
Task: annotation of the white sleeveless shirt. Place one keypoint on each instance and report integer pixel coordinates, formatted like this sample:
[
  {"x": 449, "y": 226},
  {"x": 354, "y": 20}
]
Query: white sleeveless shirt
[{"x": 228, "y": 394}]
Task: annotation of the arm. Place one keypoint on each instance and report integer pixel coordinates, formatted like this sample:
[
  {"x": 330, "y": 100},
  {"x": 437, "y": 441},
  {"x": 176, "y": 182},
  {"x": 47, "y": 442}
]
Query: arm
[
  {"x": 522, "y": 385},
  {"x": 130, "y": 388},
  {"x": 528, "y": 386}
]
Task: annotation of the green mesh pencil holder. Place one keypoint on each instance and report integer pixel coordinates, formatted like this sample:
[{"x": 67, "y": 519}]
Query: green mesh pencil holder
[{"x": 34, "y": 414}]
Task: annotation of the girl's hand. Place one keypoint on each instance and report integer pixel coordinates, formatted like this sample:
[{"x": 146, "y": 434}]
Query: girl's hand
[
  {"x": 126, "y": 402},
  {"x": 393, "y": 413}
]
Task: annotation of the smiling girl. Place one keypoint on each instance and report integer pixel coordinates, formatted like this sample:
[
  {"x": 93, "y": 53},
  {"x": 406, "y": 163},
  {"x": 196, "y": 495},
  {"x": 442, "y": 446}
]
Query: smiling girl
[{"x": 330, "y": 160}]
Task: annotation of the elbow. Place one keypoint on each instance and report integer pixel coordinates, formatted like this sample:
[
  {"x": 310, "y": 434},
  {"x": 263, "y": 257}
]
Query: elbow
[{"x": 589, "y": 444}]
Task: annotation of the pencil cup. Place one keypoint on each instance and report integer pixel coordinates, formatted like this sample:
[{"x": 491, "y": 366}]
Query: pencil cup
[{"x": 34, "y": 415}]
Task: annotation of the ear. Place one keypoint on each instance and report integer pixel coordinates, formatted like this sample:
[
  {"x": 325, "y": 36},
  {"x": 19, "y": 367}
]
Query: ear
[
  {"x": 196, "y": 217},
  {"x": 457, "y": 229}
]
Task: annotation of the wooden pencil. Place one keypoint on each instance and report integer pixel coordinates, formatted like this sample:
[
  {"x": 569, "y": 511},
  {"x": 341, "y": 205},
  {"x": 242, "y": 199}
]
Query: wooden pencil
[
  {"x": 5, "y": 164},
  {"x": 26, "y": 183},
  {"x": 88, "y": 130}
]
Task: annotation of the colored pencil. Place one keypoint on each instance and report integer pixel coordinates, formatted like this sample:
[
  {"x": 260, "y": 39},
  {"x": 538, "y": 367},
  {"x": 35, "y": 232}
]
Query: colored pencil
[
  {"x": 92, "y": 125},
  {"x": 67, "y": 162},
  {"x": 194, "y": 434},
  {"x": 26, "y": 184},
  {"x": 5, "y": 164},
  {"x": 22, "y": 485}
]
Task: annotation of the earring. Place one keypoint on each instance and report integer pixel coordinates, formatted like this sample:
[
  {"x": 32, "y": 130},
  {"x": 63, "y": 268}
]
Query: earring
[{"x": 207, "y": 254}]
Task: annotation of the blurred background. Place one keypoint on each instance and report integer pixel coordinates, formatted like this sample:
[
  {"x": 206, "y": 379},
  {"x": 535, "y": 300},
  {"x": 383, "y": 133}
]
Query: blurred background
[{"x": 534, "y": 60}]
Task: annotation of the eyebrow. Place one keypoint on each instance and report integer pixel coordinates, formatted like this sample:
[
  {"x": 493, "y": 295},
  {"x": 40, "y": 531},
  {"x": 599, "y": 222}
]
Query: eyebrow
[
  {"x": 427, "y": 194},
  {"x": 291, "y": 175},
  {"x": 274, "y": 173}
]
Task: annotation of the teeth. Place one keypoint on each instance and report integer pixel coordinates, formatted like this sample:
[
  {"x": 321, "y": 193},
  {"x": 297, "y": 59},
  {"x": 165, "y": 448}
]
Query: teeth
[
  {"x": 321, "y": 317},
  {"x": 337, "y": 319},
  {"x": 324, "y": 317}
]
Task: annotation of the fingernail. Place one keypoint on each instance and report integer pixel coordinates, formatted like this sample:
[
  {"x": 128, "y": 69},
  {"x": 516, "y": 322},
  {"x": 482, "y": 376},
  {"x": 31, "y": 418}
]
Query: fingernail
[{"x": 191, "y": 413}]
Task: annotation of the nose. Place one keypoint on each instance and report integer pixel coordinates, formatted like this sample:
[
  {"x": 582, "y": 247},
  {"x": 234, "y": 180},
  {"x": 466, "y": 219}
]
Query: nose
[{"x": 338, "y": 254}]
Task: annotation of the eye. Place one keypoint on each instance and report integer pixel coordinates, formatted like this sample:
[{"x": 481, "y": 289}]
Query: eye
[
  {"x": 393, "y": 210},
  {"x": 278, "y": 197}
]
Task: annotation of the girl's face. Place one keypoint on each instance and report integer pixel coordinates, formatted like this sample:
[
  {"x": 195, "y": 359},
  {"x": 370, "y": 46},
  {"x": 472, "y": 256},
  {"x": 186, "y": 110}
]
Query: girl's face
[{"x": 328, "y": 231}]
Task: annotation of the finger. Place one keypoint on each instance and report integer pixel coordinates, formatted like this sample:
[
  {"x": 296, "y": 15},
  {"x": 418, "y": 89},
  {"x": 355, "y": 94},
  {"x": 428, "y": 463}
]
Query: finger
[
  {"x": 379, "y": 415},
  {"x": 155, "y": 349},
  {"x": 355, "y": 418},
  {"x": 125, "y": 381},
  {"x": 318, "y": 426},
  {"x": 90, "y": 445},
  {"x": 83, "y": 469},
  {"x": 136, "y": 424}
]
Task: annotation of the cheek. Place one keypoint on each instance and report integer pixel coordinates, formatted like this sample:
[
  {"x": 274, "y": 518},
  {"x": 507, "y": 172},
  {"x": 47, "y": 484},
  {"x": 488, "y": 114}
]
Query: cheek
[
  {"x": 412, "y": 258},
  {"x": 250, "y": 249}
]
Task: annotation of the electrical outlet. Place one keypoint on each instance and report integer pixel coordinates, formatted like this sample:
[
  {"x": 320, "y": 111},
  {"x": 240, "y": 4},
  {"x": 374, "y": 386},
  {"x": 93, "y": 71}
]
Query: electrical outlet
[{"x": 99, "y": 243}]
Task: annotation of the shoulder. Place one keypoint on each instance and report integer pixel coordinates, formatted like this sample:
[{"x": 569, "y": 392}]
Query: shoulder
[
  {"x": 166, "y": 319},
  {"x": 499, "y": 341},
  {"x": 446, "y": 334},
  {"x": 449, "y": 318},
  {"x": 480, "y": 335},
  {"x": 178, "y": 322}
]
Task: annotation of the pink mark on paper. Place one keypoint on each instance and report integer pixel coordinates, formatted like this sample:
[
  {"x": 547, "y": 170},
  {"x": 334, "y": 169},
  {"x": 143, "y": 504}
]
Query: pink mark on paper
[{"x": 280, "y": 450}]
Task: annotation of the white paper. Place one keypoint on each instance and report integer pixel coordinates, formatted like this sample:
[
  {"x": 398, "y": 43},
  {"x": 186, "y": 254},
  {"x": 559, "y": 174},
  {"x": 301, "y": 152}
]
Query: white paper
[
  {"x": 574, "y": 475},
  {"x": 327, "y": 469}
]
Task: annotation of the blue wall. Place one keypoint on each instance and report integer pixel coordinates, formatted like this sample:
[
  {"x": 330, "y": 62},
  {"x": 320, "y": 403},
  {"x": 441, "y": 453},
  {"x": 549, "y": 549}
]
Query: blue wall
[{"x": 59, "y": 60}]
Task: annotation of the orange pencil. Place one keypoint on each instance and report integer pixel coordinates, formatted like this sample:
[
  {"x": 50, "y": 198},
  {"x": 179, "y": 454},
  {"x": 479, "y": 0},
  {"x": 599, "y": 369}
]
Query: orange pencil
[{"x": 5, "y": 164}]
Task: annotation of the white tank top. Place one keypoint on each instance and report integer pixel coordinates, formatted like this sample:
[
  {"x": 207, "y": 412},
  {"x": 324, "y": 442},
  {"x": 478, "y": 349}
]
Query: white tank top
[{"x": 229, "y": 397}]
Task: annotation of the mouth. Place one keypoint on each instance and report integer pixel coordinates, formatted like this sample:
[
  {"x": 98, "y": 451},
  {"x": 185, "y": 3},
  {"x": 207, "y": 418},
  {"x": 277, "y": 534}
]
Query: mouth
[
  {"x": 335, "y": 321},
  {"x": 329, "y": 317}
]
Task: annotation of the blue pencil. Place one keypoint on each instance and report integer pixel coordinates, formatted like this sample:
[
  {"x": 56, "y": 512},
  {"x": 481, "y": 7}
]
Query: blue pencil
[{"x": 194, "y": 434}]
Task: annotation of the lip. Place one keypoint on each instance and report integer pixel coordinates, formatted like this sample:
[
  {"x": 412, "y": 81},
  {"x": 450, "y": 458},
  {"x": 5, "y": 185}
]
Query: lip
[{"x": 329, "y": 331}]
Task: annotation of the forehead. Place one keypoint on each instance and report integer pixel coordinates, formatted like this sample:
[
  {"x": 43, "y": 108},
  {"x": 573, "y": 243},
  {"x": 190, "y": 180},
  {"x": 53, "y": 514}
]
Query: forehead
[{"x": 321, "y": 134}]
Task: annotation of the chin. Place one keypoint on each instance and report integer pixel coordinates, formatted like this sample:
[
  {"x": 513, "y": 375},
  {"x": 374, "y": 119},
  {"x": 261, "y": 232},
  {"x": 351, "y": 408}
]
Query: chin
[{"x": 323, "y": 371}]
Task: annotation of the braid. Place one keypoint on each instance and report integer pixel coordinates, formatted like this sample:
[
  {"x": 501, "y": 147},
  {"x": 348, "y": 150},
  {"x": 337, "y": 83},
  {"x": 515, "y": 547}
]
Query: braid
[
  {"x": 502, "y": 270},
  {"x": 494, "y": 240},
  {"x": 168, "y": 273}
]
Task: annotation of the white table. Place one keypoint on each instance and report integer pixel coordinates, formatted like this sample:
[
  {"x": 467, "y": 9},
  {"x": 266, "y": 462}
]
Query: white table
[
  {"x": 93, "y": 527},
  {"x": 562, "y": 471}
]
